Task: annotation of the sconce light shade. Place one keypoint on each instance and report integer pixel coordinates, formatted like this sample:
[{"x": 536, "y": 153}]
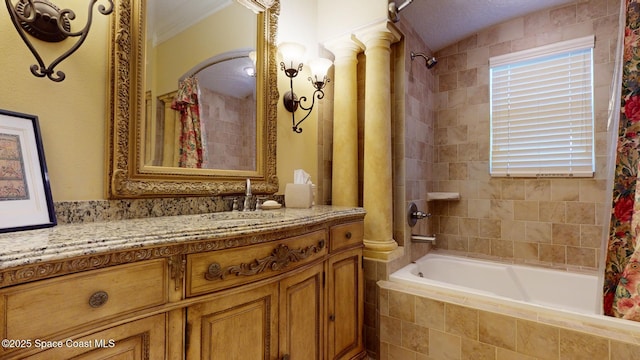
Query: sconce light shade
[
  {"x": 292, "y": 57},
  {"x": 319, "y": 68}
]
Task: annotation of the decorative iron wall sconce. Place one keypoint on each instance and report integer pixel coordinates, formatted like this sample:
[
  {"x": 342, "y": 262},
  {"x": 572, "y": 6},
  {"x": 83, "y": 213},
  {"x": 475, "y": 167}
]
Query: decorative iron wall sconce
[
  {"x": 291, "y": 65},
  {"x": 45, "y": 21}
]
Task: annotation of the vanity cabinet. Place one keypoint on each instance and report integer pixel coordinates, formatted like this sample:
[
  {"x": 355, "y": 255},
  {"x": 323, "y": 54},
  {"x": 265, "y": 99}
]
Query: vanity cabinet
[{"x": 295, "y": 294}]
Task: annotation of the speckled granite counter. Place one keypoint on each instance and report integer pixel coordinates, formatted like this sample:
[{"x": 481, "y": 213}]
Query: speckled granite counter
[{"x": 19, "y": 249}]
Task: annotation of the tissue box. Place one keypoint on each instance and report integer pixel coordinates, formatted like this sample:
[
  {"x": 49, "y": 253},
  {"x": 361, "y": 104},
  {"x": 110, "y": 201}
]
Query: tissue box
[{"x": 298, "y": 196}]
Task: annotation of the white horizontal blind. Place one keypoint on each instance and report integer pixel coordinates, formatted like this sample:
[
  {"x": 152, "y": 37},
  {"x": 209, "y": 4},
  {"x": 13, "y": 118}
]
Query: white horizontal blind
[{"x": 542, "y": 112}]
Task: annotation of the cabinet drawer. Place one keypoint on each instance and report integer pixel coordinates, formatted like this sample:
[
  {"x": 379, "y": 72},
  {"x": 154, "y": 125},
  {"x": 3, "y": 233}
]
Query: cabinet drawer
[
  {"x": 47, "y": 307},
  {"x": 346, "y": 235},
  {"x": 216, "y": 270}
]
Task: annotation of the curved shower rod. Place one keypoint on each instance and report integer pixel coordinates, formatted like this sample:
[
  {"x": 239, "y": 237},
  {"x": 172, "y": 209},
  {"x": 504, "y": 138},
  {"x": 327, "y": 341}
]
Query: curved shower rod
[{"x": 395, "y": 9}]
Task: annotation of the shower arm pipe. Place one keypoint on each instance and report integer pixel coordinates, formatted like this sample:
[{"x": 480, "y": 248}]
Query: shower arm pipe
[{"x": 430, "y": 61}]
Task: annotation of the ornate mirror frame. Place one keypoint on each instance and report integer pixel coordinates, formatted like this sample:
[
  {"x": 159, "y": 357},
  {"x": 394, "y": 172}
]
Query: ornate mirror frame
[{"x": 127, "y": 175}]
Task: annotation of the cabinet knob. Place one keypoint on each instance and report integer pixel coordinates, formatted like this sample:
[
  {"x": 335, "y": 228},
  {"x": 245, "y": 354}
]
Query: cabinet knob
[
  {"x": 98, "y": 299},
  {"x": 286, "y": 357},
  {"x": 332, "y": 317},
  {"x": 348, "y": 235}
]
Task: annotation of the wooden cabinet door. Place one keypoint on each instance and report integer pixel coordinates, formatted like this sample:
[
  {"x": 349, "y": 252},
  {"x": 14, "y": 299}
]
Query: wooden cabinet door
[
  {"x": 138, "y": 340},
  {"x": 238, "y": 325},
  {"x": 345, "y": 290},
  {"x": 302, "y": 299}
]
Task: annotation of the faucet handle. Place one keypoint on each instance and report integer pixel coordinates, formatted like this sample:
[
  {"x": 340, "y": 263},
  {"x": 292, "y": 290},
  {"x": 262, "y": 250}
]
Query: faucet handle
[{"x": 248, "y": 192}]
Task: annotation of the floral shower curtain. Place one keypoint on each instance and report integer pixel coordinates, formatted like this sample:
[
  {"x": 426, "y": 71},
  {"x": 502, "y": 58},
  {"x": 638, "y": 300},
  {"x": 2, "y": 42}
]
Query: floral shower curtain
[
  {"x": 622, "y": 271},
  {"x": 187, "y": 103}
]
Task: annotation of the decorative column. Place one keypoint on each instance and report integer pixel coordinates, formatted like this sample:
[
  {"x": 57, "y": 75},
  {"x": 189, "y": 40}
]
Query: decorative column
[
  {"x": 344, "y": 181},
  {"x": 378, "y": 184}
]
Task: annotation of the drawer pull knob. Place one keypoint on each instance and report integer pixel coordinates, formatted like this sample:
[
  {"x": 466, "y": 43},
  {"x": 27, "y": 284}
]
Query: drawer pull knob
[
  {"x": 286, "y": 357},
  {"x": 332, "y": 317},
  {"x": 98, "y": 299},
  {"x": 279, "y": 259},
  {"x": 348, "y": 235}
]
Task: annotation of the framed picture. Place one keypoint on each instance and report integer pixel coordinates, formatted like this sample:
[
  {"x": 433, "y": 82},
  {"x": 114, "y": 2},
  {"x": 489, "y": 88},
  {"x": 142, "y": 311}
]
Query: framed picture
[{"x": 25, "y": 194}]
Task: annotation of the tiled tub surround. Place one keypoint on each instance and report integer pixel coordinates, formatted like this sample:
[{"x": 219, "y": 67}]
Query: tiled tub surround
[
  {"x": 435, "y": 321},
  {"x": 550, "y": 221},
  {"x": 49, "y": 252}
]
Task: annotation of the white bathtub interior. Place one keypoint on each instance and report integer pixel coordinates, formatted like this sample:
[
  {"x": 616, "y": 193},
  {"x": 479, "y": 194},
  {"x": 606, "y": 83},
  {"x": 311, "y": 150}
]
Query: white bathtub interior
[{"x": 558, "y": 289}]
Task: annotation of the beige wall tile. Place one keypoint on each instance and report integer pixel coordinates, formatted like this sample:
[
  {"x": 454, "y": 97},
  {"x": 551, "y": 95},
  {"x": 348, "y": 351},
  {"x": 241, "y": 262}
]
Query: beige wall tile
[
  {"x": 402, "y": 306},
  {"x": 480, "y": 246},
  {"x": 581, "y": 256},
  {"x": 398, "y": 353},
  {"x": 430, "y": 313},
  {"x": 620, "y": 350},
  {"x": 538, "y": 232},
  {"x": 581, "y": 213},
  {"x": 565, "y": 234},
  {"x": 553, "y": 254},
  {"x": 448, "y": 345},
  {"x": 469, "y": 227},
  {"x": 502, "y": 248},
  {"x": 498, "y": 330},
  {"x": 552, "y": 211},
  {"x": 460, "y": 320},
  {"x": 535, "y": 339},
  {"x": 475, "y": 350},
  {"x": 504, "y": 354},
  {"x": 490, "y": 228},
  {"x": 564, "y": 190},
  {"x": 591, "y": 236},
  {"x": 575, "y": 345},
  {"x": 391, "y": 330},
  {"x": 525, "y": 250},
  {"x": 415, "y": 337},
  {"x": 526, "y": 210}
]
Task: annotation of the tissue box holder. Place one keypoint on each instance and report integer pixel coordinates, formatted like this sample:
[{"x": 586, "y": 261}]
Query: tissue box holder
[{"x": 298, "y": 196}]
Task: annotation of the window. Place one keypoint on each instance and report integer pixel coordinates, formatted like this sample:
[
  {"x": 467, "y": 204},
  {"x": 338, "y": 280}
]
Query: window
[{"x": 542, "y": 111}]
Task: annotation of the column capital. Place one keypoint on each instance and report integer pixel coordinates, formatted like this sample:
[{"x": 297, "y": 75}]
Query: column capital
[
  {"x": 344, "y": 47},
  {"x": 384, "y": 31}
]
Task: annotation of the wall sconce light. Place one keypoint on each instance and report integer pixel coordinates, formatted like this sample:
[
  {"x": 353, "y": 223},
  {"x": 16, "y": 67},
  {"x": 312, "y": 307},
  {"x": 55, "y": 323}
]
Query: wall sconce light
[
  {"x": 291, "y": 65},
  {"x": 45, "y": 21}
]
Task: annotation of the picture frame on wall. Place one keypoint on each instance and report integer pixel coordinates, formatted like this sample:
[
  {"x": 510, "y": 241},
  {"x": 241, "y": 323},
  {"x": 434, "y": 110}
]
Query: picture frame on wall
[{"x": 25, "y": 193}]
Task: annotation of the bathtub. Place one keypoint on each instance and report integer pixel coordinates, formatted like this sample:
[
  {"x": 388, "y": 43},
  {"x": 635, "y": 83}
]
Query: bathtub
[
  {"x": 562, "y": 290},
  {"x": 506, "y": 308}
]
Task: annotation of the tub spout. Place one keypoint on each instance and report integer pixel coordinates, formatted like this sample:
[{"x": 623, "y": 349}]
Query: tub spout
[{"x": 424, "y": 239}]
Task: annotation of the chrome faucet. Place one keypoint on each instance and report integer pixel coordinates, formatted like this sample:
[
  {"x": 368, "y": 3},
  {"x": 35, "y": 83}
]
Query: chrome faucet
[{"x": 247, "y": 197}]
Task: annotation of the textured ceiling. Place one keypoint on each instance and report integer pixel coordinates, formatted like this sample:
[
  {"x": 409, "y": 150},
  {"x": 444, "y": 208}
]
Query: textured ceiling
[{"x": 443, "y": 22}]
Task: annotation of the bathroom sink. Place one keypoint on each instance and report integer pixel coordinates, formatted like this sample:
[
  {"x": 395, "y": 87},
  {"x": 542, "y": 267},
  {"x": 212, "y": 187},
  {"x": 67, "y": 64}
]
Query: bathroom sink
[{"x": 244, "y": 216}]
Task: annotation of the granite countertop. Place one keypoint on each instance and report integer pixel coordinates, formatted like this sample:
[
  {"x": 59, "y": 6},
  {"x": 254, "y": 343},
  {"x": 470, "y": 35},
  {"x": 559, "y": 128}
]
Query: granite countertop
[{"x": 72, "y": 240}]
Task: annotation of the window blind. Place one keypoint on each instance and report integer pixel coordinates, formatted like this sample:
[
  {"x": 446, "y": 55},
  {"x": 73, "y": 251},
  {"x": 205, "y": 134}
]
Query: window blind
[{"x": 542, "y": 111}]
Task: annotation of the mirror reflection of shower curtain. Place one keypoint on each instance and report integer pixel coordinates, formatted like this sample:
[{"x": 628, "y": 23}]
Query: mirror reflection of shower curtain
[
  {"x": 186, "y": 102},
  {"x": 622, "y": 269}
]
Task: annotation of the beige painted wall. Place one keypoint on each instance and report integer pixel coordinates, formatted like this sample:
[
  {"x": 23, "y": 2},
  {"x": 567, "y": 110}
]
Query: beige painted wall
[{"x": 72, "y": 113}]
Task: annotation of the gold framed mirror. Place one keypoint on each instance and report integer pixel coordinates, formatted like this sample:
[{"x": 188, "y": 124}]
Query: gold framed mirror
[{"x": 131, "y": 171}]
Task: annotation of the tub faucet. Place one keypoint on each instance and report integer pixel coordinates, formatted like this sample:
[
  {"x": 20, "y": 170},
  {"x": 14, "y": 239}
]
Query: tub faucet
[
  {"x": 413, "y": 215},
  {"x": 247, "y": 197}
]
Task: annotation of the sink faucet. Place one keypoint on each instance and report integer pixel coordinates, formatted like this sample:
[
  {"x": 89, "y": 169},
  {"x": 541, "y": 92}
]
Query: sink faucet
[{"x": 247, "y": 197}]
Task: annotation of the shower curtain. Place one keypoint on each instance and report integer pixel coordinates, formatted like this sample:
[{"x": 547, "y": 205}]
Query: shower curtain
[
  {"x": 187, "y": 103},
  {"x": 622, "y": 268}
]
